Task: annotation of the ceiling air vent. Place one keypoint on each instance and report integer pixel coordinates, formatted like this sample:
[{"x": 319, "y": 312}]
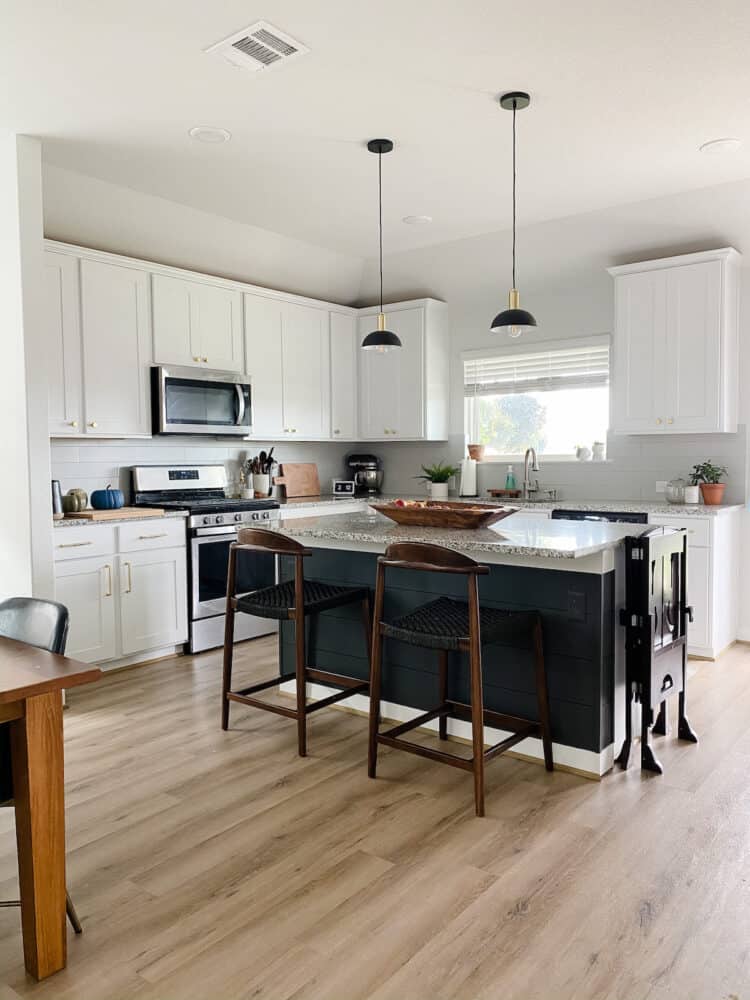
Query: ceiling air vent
[{"x": 261, "y": 46}]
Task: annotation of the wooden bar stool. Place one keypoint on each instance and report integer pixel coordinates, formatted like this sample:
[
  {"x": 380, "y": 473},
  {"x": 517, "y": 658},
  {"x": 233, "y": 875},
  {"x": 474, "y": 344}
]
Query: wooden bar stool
[
  {"x": 450, "y": 625},
  {"x": 293, "y": 601}
]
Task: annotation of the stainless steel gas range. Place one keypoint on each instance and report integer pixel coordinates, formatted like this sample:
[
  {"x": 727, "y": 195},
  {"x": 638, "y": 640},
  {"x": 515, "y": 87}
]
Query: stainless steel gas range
[{"x": 212, "y": 525}]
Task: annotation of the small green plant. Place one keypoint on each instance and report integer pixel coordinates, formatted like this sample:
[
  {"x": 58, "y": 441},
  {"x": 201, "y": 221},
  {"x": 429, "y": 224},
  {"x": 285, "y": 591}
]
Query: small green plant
[
  {"x": 707, "y": 472},
  {"x": 438, "y": 473}
]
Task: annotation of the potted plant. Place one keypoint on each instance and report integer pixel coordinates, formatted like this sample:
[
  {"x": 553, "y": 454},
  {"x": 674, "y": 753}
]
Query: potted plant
[
  {"x": 708, "y": 477},
  {"x": 437, "y": 476}
]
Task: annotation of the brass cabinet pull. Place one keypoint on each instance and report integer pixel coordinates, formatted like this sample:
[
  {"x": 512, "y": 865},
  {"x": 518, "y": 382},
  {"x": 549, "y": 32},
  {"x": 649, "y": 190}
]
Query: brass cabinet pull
[
  {"x": 658, "y": 420},
  {"x": 92, "y": 423},
  {"x": 205, "y": 360},
  {"x": 73, "y": 423},
  {"x": 108, "y": 591},
  {"x": 129, "y": 588},
  {"x": 196, "y": 357},
  {"x": 670, "y": 420},
  {"x": 72, "y": 545},
  {"x": 162, "y": 534}
]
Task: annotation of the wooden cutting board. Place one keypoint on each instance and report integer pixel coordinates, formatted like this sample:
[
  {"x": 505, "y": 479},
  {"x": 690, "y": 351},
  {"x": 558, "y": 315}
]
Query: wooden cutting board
[
  {"x": 116, "y": 515},
  {"x": 300, "y": 479}
]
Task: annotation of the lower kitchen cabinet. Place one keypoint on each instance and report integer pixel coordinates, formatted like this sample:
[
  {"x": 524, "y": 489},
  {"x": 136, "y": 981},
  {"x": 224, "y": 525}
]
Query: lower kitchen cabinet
[
  {"x": 124, "y": 600},
  {"x": 86, "y": 588},
  {"x": 153, "y": 609}
]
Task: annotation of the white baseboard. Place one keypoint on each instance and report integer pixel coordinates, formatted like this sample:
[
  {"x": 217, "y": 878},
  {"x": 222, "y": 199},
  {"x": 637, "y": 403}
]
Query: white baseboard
[{"x": 585, "y": 762}]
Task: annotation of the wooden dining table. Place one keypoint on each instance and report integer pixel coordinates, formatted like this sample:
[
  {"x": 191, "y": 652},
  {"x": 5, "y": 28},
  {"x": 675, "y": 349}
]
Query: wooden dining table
[{"x": 31, "y": 685}]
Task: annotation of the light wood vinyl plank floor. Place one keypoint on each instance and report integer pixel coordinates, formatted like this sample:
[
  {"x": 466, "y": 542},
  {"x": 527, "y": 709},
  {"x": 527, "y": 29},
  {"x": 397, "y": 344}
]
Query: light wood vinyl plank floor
[{"x": 219, "y": 865}]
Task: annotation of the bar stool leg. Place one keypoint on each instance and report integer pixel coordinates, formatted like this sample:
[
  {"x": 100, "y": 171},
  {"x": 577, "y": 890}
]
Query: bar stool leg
[
  {"x": 376, "y": 665},
  {"x": 542, "y": 694},
  {"x": 226, "y": 679},
  {"x": 301, "y": 681},
  {"x": 443, "y": 664},
  {"x": 477, "y": 701}
]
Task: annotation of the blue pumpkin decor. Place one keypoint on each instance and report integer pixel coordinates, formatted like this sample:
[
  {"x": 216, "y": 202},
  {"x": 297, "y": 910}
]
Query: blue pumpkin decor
[{"x": 108, "y": 499}]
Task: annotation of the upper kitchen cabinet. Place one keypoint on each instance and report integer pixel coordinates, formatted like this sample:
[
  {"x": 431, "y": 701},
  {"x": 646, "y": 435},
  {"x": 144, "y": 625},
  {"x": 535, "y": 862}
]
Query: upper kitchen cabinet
[
  {"x": 675, "y": 345},
  {"x": 63, "y": 355},
  {"x": 197, "y": 324},
  {"x": 344, "y": 345},
  {"x": 288, "y": 362},
  {"x": 116, "y": 340},
  {"x": 403, "y": 393}
]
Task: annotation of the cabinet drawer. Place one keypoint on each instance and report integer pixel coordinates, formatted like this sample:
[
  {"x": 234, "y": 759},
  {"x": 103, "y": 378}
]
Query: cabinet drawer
[
  {"x": 158, "y": 533},
  {"x": 698, "y": 528},
  {"x": 86, "y": 541}
]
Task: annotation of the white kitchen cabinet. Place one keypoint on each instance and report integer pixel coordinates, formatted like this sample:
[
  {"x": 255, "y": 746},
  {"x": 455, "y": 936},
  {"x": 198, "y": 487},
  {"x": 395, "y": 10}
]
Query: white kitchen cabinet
[
  {"x": 403, "y": 393},
  {"x": 712, "y": 578},
  {"x": 116, "y": 338},
  {"x": 63, "y": 355},
  {"x": 197, "y": 324},
  {"x": 675, "y": 345},
  {"x": 289, "y": 364},
  {"x": 125, "y": 588},
  {"x": 343, "y": 363},
  {"x": 87, "y": 589},
  {"x": 153, "y": 609}
]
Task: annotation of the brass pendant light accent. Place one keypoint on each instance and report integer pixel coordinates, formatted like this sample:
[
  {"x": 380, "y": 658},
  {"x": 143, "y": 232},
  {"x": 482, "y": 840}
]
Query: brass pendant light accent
[
  {"x": 514, "y": 320},
  {"x": 380, "y": 340}
]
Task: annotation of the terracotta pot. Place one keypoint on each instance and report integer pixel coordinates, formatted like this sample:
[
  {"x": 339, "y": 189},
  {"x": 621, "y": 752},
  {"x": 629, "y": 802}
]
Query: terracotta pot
[
  {"x": 476, "y": 451},
  {"x": 712, "y": 493}
]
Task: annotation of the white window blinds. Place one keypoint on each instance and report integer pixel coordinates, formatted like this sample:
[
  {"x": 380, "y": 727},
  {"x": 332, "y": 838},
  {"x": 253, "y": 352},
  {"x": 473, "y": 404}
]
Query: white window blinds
[{"x": 541, "y": 370}]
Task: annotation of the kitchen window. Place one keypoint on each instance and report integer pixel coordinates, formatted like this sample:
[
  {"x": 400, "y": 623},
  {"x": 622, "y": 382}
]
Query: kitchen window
[{"x": 553, "y": 396}]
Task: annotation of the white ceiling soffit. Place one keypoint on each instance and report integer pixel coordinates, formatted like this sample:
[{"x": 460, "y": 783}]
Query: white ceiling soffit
[{"x": 261, "y": 46}]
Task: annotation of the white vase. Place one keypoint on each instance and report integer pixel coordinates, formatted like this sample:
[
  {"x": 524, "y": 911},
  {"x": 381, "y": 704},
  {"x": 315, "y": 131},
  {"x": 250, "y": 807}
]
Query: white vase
[
  {"x": 692, "y": 494},
  {"x": 438, "y": 491},
  {"x": 261, "y": 484}
]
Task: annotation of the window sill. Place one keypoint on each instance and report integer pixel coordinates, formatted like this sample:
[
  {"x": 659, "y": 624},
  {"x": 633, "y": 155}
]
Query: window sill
[{"x": 542, "y": 459}]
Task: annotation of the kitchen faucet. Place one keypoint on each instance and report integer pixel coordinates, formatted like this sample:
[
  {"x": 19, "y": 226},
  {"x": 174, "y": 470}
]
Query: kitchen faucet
[{"x": 527, "y": 488}]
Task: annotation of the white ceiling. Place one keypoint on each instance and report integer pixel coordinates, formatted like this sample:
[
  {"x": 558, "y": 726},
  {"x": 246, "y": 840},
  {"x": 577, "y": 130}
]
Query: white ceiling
[{"x": 622, "y": 95}]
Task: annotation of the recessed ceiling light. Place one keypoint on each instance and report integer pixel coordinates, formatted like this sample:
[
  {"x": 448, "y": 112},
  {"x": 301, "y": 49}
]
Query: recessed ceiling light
[
  {"x": 417, "y": 220},
  {"x": 727, "y": 145},
  {"x": 209, "y": 133}
]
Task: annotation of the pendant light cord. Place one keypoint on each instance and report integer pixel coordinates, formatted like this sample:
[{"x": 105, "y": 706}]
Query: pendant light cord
[
  {"x": 380, "y": 223},
  {"x": 514, "y": 194}
]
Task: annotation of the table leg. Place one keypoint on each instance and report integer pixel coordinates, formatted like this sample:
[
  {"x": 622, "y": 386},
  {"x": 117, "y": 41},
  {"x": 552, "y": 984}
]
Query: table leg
[{"x": 38, "y": 792}]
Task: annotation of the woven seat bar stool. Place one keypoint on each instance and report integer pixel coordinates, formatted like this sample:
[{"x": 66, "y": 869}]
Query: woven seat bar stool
[
  {"x": 448, "y": 625},
  {"x": 291, "y": 601}
]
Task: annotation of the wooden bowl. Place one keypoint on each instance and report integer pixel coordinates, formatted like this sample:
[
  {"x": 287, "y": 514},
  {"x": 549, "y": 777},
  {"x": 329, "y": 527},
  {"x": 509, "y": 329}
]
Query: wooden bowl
[{"x": 445, "y": 514}]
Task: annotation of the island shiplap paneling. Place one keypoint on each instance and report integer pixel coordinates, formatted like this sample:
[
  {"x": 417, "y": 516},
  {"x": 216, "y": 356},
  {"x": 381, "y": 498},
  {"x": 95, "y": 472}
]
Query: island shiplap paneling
[{"x": 579, "y": 653}]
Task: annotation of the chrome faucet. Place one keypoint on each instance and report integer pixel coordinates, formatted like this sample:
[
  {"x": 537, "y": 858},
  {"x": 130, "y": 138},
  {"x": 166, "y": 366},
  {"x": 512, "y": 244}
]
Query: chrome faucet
[{"x": 527, "y": 488}]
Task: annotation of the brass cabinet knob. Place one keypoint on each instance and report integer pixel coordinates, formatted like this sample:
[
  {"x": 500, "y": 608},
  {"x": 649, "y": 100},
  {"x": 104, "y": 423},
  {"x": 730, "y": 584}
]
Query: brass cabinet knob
[
  {"x": 658, "y": 420},
  {"x": 73, "y": 423},
  {"x": 670, "y": 420},
  {"x": 92, "y": 423},
  {"x": 205, "y": 360},
  {"x": 337, "y": 431},
  {"x": 196, "y": 357}
]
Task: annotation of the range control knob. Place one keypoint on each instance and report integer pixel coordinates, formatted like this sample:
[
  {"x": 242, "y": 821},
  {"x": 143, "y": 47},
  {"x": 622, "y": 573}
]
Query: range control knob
[
  {"x": 206, "y": 520},
  {"x": 266, "y": 515},
  {"x": 238, "y": 517},
  {"x": 219, "y": 518},
  {"x": 255, "y": 517}
]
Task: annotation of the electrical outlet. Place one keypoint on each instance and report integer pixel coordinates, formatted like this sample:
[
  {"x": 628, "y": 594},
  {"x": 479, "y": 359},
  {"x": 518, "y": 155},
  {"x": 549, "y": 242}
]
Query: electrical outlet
[
  {"x": 661, "y": 485},
  {"x": 576, "y": 606}
]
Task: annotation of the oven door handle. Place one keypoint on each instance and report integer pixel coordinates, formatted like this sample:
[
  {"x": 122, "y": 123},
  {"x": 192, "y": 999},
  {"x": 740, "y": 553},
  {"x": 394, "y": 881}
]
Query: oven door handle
[{"x": 240, "y": 404}]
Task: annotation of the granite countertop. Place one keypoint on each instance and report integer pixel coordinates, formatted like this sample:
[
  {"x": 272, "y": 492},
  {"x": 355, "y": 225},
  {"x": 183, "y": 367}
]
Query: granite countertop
[
  {"x": 660, "y": 507},
  {"x": 77, "y": 522},
  {"x": 514, "y": 536}
]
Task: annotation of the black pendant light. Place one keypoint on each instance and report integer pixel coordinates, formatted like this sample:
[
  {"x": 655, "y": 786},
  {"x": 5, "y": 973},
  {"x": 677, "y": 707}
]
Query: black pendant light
[
  {"x": 514, "y": 321},
  {"x": 380, "y": 340}
]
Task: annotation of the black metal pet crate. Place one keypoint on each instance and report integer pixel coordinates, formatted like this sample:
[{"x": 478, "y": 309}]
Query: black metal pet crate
[{"x": 655, "y": 619}]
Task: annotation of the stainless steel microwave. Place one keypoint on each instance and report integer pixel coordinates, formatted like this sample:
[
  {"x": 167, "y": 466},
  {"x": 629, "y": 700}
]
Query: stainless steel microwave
[{"x": 199, "y": 401}]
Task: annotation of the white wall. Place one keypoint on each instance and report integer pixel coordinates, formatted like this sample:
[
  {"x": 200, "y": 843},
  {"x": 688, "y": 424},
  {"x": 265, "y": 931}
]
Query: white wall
[
  {"x": 94, "y": 213},
  {"x": 25, "y": 542}
]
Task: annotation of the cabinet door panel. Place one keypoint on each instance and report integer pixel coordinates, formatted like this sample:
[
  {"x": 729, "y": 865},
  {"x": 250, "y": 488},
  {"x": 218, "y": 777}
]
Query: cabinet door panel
[
  {"x": 153, "y": 599},
  {"x": 176, "y": 342},
  {"x": 263, "y": 350},
  {"x": 344, "y": 346},
  {"x": 639, "y": 383},
  {"x": 87, "y": 587},
  {"x": 699, "y": 595},
  {"x": 305, "y": 360},
  {"x": 217, "y": 316},
  {"x": 116, "y": 327},
  {"x": 409, "y": 325},
  {"x": 392, "y": 384},
  {"x": 694, "y": 347},
  {"x": 63, "y": 343}
]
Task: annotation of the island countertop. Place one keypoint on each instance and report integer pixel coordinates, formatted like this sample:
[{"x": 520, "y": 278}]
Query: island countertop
[{"x": 513, "y": 537}]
